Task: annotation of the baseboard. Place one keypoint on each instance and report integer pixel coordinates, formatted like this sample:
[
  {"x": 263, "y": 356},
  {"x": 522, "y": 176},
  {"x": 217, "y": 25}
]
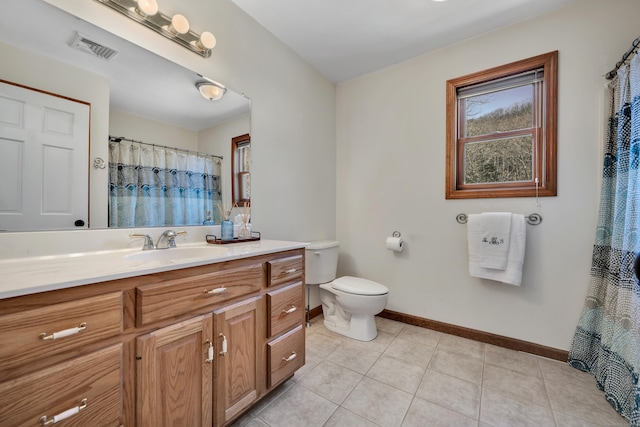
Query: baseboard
[
  {"x": 315, "y": 312},
  {"x": 485, "y": 337}
]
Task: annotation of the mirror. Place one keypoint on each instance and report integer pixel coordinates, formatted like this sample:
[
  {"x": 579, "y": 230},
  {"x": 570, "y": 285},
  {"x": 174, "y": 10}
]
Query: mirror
[{"x": 135, "y": 94}]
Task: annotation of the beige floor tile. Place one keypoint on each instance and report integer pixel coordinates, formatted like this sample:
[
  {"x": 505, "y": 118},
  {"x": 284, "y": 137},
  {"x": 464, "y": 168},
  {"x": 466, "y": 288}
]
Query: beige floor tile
[
  {"x": 354, "y": 357},
  {"x": 396, "y": 373},
  {"x": 378, "y": 402},
  {"x": 499, "y": 410},
  {"x": 511, "y": 359},
  {"x": 423, "y": 413},
  {"x": 379, "y": 343},
  {"x": 421, "y": 335},
  {"x": 271, "y": 397},
  {"x": 249, "y": 421},
  {"x": 514, "y": 384},
  {"x": 389, "y": 326},
  {"x": 411, "y": 352},
  {"x": 450, "y": 392},
  {"x": 561, "y": 371},
  {"x": 460, "y": 345},
  {"x": 298, "y": 407},
  {"x": 344, "y": 418},
  {"x": 567, "y": 420},
  {"x": 331, "y": 381},
  {"x": 587, "y": 403},
  {"x": 323, "y": 344},
  {"x": 457, "y": 365}
]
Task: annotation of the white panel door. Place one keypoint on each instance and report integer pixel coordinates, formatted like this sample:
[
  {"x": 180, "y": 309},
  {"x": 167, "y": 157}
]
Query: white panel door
[{"x": 44, "y": 157}]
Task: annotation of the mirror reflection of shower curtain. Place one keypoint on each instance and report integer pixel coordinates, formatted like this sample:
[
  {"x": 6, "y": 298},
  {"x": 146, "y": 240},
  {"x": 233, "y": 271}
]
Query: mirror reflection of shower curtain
[{"x": 158, "y": 186}]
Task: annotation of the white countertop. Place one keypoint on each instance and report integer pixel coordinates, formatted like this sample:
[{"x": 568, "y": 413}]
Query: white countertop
[{"x": 28, "y": 275}]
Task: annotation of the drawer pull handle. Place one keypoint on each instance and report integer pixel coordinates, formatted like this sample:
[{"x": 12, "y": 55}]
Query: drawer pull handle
[
  {"x": 289, "y": 310},
  {"x": 290, "y": 358},
  {"x": 289, "y": 271},
  {"x": 64, "y": 333},
  {"x": 215, "y": 291},
  {"x": 209, "y": 358},
  {"x": 64, "y": 415},
  {"x": 224, "y": 344}
]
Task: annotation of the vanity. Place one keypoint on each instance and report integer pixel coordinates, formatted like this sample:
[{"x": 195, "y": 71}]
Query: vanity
[{"x": 133, "y": 338}]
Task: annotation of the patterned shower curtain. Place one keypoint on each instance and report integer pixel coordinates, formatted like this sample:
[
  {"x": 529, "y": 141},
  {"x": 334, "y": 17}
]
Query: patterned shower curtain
[
  {"x": 607, "y": 339},
  {"x": 158, "y": 186}
]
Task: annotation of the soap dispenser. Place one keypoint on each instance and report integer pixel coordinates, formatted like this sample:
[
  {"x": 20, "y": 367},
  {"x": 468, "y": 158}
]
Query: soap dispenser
[{"x": 208, "y": 220}]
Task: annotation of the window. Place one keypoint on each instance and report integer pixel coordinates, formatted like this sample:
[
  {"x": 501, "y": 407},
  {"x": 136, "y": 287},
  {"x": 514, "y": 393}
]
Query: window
[
  {"x": 501, "y": 131},
  {"x": 241, "y": 169}
]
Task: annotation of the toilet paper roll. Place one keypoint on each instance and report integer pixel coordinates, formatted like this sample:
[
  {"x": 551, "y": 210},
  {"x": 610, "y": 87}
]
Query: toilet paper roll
[{"x": 395, "y": 244}]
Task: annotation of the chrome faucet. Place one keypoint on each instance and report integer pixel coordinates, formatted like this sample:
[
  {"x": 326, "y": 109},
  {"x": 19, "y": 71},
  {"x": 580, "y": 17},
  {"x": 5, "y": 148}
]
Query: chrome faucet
[
  {"x": 148, "y": 242},
  {"x": 168, "y": 239}
]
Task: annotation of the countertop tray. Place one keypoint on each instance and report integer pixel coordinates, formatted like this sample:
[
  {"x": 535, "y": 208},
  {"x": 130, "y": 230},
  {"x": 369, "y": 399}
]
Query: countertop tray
[{"x": 214, "y": 240}]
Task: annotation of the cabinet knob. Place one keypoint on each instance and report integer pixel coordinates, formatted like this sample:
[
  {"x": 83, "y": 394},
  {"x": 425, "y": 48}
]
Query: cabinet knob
[
  {"x": 209, "y": 358},
  {"x": 64, "y": 333},
  {"x": 215, "y": 291},
  {"x": 290, "y": 358},
  {"x": 289, "y": 310},
  {"x": 63, "y": 415}
]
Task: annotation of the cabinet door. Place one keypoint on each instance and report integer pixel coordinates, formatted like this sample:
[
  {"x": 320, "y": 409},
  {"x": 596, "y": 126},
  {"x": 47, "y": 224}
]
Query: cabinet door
[
  {"x": 174, "y": 375},
  {"x": 236, "y": 360}
]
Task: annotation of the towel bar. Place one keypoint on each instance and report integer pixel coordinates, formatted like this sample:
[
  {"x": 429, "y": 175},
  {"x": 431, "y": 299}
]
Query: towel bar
[{"x": 532, "y": 219}]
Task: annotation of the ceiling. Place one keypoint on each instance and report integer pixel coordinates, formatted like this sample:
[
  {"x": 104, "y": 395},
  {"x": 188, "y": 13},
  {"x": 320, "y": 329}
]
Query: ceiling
[{"x": 344, "y": 39}]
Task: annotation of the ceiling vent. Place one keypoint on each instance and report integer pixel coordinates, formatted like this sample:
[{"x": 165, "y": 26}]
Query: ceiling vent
[{"x": 83, "y": 43}]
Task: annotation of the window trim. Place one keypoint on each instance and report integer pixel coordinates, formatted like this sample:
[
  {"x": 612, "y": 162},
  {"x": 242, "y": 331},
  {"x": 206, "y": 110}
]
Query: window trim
[
  {"x": 546, "y": 153},
  {"x": 236, "y": 170}
]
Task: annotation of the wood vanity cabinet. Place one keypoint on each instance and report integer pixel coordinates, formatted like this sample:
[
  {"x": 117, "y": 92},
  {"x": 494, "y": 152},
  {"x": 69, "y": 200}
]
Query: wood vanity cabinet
[{"x": 194, "y": 347}]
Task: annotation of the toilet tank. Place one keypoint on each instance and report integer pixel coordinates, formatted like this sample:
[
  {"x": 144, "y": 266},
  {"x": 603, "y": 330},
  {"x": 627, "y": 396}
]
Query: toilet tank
[{"x": 321, "y": 261}]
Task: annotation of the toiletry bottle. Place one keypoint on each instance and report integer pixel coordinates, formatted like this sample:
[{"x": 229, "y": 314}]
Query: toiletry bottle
[{"x": 208, "y": 220}]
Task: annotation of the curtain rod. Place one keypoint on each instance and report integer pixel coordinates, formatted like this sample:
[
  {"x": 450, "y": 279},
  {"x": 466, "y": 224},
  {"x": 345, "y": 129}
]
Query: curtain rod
[
  {"x": 611, "y": 74},
  {"x": 122, "y": 138}
]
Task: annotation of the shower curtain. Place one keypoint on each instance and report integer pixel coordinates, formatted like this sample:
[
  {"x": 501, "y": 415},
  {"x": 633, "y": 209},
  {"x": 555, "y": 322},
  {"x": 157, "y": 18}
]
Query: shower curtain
[
  {"x": 159, "y": 186},
  {"x": 607, "y": 339}
]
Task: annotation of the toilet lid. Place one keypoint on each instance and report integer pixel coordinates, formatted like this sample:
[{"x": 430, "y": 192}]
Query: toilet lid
[{"x": 356, "y": 285}]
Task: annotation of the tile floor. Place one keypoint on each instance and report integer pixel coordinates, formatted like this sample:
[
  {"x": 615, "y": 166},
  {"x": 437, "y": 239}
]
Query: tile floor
[{"x": 410, "y": 376}]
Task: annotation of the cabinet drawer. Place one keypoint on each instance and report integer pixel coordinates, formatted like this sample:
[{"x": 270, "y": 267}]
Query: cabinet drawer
[
  {"x": 285, "y": 308},
  {"x": 285, "y": 270},
  {"x": 183, "y": 296},
  {"x": 286, "y": 355},
  {"x": 50, "y": 330},
  {"x": 57, "y": 390}
]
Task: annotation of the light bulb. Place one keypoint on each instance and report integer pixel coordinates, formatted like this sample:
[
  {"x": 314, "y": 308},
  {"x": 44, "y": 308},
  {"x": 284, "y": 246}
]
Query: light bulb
[
  {"x": 207, "y": 41},
  {"x": 179, "y": 24},
  {"x": 147, "y": 7}
]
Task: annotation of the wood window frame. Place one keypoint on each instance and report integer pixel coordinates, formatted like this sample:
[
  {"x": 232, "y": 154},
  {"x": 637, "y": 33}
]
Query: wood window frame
[
  {"x": 236, "y": 143},
  {"x": 545, "y": 142}
]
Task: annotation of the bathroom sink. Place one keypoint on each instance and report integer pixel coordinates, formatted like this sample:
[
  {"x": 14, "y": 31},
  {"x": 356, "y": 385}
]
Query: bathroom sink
[{"x": 176, "y": 254}]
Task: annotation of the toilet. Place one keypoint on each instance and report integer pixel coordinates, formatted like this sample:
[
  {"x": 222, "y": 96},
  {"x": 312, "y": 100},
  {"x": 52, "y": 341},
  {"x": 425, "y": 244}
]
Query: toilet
[{"x": 349, "y": 304}]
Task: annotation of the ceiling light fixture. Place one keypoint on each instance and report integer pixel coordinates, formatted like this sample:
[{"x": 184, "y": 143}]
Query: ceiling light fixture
[
  {"x": 210, "y": 90},
  {"x": 174, "y": 28}
]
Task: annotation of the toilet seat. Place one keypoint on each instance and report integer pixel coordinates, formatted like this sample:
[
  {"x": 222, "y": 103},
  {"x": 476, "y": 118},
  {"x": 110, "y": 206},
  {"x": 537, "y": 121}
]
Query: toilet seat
[{"x": 359, "y": 286}]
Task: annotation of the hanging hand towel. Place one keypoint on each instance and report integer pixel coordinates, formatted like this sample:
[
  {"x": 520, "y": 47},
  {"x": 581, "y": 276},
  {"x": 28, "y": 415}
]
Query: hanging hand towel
[
  {"x": 494, "y": 245},
  {"x": 517, "y": 239}
]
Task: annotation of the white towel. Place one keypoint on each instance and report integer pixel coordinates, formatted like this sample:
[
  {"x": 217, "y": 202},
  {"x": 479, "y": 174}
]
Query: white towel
[
  {"x": 494, "y": 245},
  {"x": 517, "y": 239}
]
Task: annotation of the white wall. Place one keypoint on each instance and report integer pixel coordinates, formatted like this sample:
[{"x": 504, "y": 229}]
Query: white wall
[
  {"x": 391, "y": 176},
  {"x": 122, "y": 123}
]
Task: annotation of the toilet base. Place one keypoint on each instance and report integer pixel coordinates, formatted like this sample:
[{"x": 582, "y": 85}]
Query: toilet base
[{"x": 361, "y": 327}]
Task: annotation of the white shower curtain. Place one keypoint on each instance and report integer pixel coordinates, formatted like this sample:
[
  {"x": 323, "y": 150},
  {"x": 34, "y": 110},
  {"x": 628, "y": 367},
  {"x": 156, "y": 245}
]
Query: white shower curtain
[{"x": 159, "y": 186}]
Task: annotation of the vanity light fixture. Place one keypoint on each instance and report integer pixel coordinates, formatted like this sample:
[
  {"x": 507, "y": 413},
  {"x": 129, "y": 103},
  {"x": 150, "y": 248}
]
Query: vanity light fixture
[
  {"x": 210, "y": 90},
  {"x": 174, "y": 27}
]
